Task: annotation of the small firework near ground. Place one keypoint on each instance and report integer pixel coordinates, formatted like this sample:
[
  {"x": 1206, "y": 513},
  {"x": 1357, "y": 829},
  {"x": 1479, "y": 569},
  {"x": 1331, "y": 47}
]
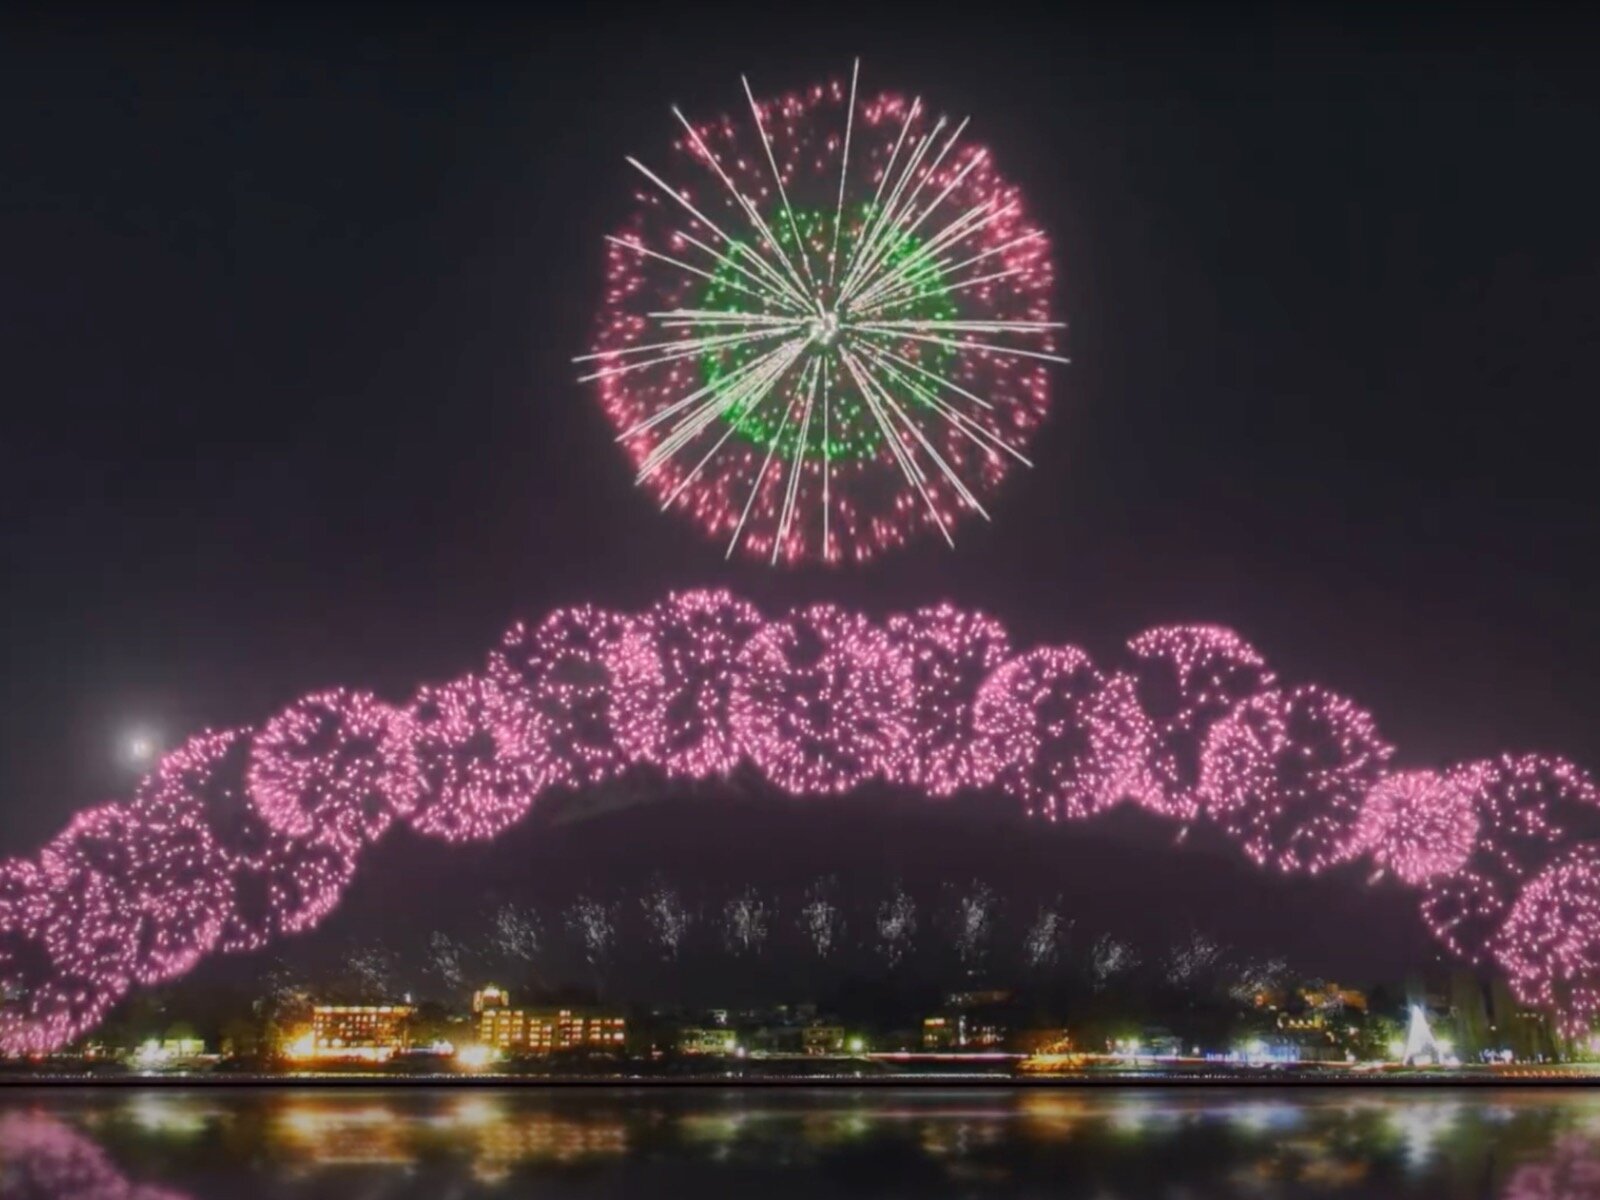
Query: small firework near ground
[{"x": 826, "y": 326}]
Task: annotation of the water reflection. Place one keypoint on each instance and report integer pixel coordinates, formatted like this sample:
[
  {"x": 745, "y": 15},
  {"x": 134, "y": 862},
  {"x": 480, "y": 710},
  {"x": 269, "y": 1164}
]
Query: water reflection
[{"x": 1102, "y": 1143}]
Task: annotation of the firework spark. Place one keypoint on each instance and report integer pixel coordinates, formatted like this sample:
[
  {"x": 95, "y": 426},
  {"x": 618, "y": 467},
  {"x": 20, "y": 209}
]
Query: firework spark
[
  {"x": 896, "y": 926},
  {"x": 820, "y": 918},
  {"x": 746, "y": 920},
  {"x": 826, "y": 326},
  {"x": 667, "y": 916}
]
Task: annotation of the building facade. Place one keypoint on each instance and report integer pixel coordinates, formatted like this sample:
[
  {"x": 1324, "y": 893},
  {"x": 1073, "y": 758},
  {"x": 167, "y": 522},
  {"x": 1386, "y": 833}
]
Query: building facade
[
  {"x": 360, "y": 1030},
  {"x": 536, "y": 1031}
]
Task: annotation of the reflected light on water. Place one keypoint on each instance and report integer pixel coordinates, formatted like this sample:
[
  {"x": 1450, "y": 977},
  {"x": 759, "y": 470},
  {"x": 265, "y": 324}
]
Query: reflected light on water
[{"x": 1115, "y": 1144}]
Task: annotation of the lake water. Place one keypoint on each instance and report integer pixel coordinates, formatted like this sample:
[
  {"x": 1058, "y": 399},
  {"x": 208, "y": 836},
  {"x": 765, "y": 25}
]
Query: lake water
[{"x": 1094, "y": 1143}]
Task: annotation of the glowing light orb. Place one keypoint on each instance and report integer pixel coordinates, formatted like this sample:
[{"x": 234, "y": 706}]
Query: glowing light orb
[
  {"x": 826, "y": 326},
  {"x": 1286, "y": 775}
]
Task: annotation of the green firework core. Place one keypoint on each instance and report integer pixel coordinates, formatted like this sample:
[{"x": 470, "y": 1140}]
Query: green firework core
[{"x": 849, "y": 431}]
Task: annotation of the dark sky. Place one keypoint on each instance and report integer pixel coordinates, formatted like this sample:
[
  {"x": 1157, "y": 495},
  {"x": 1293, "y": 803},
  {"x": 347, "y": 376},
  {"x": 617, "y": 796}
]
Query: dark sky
[{"x": 287, "y": 304}]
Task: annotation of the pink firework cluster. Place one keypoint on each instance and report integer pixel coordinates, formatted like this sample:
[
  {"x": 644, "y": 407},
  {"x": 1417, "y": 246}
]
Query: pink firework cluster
[
  {"x": 241, "y": 837},
  {"x": 826, "y": 325}
]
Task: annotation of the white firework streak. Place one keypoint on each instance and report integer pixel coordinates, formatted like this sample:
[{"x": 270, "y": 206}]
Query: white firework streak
[{"x": 827, "y": 333}]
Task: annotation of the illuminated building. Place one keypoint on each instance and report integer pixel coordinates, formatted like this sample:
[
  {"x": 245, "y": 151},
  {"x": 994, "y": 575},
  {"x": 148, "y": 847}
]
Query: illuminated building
[
  {"x": 962, "y": 1031},
  {"x": 822, "y": 1039},
  {"x": 356, "y": 1031},
  {"x": 700, "y": 1040},
  {"x": 544, "y": 1030},
  {"x": 1330, "y": 996},
  {"x": 489, "y": 997},
  {"x": 980, "y": 1019}
]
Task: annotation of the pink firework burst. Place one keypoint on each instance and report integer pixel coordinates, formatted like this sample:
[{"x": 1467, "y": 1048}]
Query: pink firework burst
[
  {"x": 480, "y": 770},
  {"x": 1419, "y": 824},
  {"x": 822, "y": 701},
  {"x": 278, "y": 884},
  {"x": 562, "y": 678},
  {"x": 44, "y": 1002},
  {"x": 1189, "y": 677},
  {"x": 150, "y": 890},
  {"x": 1549, "y": 944},
  {"x": 672, "y": 707},
  {"x": 826, "y": 325},
  {"x": 951, "y": 653},
  {"x": 336, "y": 767},
  {"x": 1528, "y": 806},
  {"x": 1286, "y": 775},
  {"x": 1059, "y": 735}
]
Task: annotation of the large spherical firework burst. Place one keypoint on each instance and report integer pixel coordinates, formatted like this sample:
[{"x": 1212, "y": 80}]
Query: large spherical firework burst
[
  {"x": 336, "y": 767},
  {"x": 826, "y": 327},
  {"x": 1419, "y": 824},
  {"x": 278, "y": 884},
  {"x": 672, "y": 707},
  {"x": 562, "y": 678},
  {"x": 46, "y": 1002},
  {"x": 1188, "y": 677},
  {"x": 1528, "y": 807},
  {"x": 1287, "y": 772},
  {"x": 822, "y": 701},
  {"x": 952, "y": 653},
  {"x": 1550, "y": 942},
  {"x": 478, "y": 773},
  {"x": 150, "y": 888},
  {"x": 1059, "y": 735}
]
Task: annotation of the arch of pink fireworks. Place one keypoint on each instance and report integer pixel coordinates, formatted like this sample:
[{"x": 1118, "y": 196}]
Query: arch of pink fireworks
[{"x": 241, "y": 837}]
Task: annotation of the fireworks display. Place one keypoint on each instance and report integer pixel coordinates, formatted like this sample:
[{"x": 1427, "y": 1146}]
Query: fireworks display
[
  {"x": 1550, "y": 941},
  {"x": 896, "y": 925},
  {"x": 1287, "y": 773},
  {"x": 673, "y": 706},
  {"x": 951, "y": 653},
  {"x": 478, "y": 776},
  {"x": 1058, "y": 734},
  {"x": 1529, "y": 808},
  {"x": 1187, "y": 678},
  {"x": 826, "y": 326},
  {"x": 821, "y": 920},
  {"x": 1419, "y": 824},
  {"x": 667, "y": 918},
  {"x": 1041, "y": 943},
  {"x": 746, "y": 921},
  {"x": 822, "y": 701},
  {"x": 335, "y": 767},
  {"x": 237, "y": 838}
]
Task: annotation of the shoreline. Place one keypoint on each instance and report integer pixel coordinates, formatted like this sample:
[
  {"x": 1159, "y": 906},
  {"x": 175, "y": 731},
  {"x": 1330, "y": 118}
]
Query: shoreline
[{"x": 798, "y": 1082}]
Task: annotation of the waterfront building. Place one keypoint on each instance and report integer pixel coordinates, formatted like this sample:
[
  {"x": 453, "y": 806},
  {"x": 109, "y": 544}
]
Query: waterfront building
[
  {"x": 535, "y": 1031},
  {"x": 373, "y": 1032},
  {"x": 702, "y": 1040}
]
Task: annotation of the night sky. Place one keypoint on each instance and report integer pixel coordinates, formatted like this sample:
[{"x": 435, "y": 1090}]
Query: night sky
[{"x": 287, "y": 304}]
